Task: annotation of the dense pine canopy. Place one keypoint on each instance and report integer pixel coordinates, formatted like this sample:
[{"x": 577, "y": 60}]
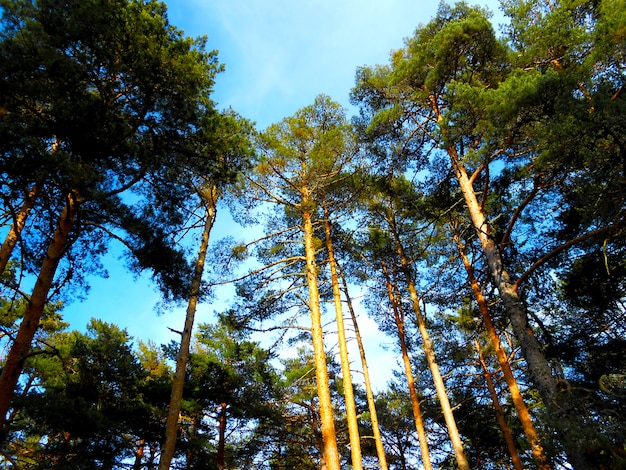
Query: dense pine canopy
[{"x": 474, "y": 208}]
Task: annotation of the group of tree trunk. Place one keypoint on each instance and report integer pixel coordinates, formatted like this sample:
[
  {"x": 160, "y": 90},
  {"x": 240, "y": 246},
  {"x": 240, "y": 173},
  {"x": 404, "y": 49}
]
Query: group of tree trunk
[{"x": 476, "y": 205}]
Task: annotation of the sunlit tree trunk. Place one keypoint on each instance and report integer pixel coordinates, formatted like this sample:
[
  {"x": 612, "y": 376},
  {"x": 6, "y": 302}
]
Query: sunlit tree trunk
[
  {"x": 516, "y": 395},
  {"x": 500, "y": 416},
  {"x": 353, "y": 425},
  {"x": 209, "y": 198},
  {"x": 19, "y": 220},
  {"x": 558, "y": 404},
  {"x": 429, "y": 351},
  {"x": 21, "y": 346},
  {"x": 371, "y": 405},
  {"x": 139, "y": 454},
  {"x": 398, "y": 317},
  {"x": 330, "y": 458}
]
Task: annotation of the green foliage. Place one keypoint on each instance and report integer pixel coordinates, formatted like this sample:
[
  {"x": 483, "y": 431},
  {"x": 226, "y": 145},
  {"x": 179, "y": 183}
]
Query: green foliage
[
  {"x": 86, "y": 404},
  {"x": 110, "y": 100}
]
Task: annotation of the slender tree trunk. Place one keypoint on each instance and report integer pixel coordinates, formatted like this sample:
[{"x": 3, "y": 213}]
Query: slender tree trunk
[
  {"x": 398, "y": 317},
  {"x": 330, "y": 456},
  {"x": 429, "y": 351},
  {"x": 221, "y": 442},
  {"x": 567, "y": 420},
  {"x": 209, "y": 197},
  {"x": 21, "y": 346},
  {"x": 500, "y": 416},
  {"x": 380, "y": 449},
  {"x": 19, "y": 220},
  {"x": 516, "y": 395},
  {"x": 348, "y": 391}
]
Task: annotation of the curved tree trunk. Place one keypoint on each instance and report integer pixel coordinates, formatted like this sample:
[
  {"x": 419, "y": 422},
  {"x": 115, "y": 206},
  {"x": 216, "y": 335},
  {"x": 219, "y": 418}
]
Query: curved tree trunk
[
  {"x": 353, "y": 425},
  {"x": 516, "y": 395},
  {"x": 398, "y": 317},
  {"x": 209, "y": 198},
  {"x": 21, "y": 346},
  {"x": 566, "y": 419},
  {"x": 19, "y": 220},
  {"x": 330, "y": 458},
  {"x": 371, "y": 405}
]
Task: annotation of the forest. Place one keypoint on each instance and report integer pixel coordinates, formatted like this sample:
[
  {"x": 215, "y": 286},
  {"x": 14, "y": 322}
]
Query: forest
[{"x": 474, "y": 208}]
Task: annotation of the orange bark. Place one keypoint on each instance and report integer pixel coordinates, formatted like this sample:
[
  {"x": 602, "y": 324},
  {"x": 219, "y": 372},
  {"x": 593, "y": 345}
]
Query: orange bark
[
  {"x": 429, "y": 351},
  {"x": 209, "y": 197},
  {"x": 21, "y": 346},
  {"x": 330, "y": 458},
  {"x": 398, "y": 317},
  {"x": 516, "y": 395},
  {"x": 19, "y": 220},
  {"x": 506, "y": 431},
  {"x": 353, "y": 426},
  {"x": 380, "y": 450}
]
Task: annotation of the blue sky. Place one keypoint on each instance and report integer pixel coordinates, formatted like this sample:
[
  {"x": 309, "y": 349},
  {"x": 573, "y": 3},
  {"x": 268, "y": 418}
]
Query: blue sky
[{"x": 279, "y": 54}]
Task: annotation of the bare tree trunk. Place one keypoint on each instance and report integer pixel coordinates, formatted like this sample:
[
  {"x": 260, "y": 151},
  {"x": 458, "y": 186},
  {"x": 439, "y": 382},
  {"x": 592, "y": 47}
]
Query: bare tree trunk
[
  {"x": 503, "y": 360},
  {"x": 380, "y": 449},
  {"x": 429, "y": 351},
  {"x": 330, "y": 456},
  {"x": 353, "y": 425},
  {"x": 398, "y": 317},
  {"x": 209, "y": 198},
  {"x": 500, "y": 416},
  {"x": 21, "y": 346},
  {"x": 19, "y": 220}
]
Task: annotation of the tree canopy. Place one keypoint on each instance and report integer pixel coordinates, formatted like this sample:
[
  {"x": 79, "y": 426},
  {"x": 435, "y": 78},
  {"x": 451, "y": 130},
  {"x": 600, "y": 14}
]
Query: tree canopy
[{"x": 473, "y": 210}]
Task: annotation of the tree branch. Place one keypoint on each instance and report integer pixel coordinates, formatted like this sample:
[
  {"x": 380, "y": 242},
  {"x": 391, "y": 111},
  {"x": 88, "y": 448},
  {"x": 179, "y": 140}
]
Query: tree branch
[{"x": 564, "y": 246}]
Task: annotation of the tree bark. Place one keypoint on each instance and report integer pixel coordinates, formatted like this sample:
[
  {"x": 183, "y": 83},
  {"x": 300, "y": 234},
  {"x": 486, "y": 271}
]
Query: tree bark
[
  {"x": 566, "y": 419},
  {"x": 500, "y": 416},
  {"x": 516, "y": 395},
  {"x": 398, "y": 317},
  {"x": 351, "y": 417},
  {"x": 221, "y": 442},
  {"x": 371, "y": 405},
  {"x": 19, "y": 220},
  {"x": 21, "y": 346},
  {"x": 139, "y": 454},
  {"x": 209, "y": 198},
  {"x": 429, "y": 351},
  {"x": 330, "y": 456}
]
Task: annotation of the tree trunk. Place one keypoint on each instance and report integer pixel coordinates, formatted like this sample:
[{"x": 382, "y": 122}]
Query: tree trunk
[
  {"x": 566, "y": 419},
  {"x": 21, "y": 346},
  {"x": 516, "y": 395},
  {"x": 380, "y": 449},
  {"x": 429, "y": 351},
  {"x": 500, "y": 416},
  {"x": 221, "y": 442},
  {"x": 139, "y": 453},
  {"x": 330, "y": 456},
  {"x": 398, "y": 317},
  {"x": 15, "y": 232},
  {"x": 353, "y": 425},
  {"x": 209, "y": 198}
]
